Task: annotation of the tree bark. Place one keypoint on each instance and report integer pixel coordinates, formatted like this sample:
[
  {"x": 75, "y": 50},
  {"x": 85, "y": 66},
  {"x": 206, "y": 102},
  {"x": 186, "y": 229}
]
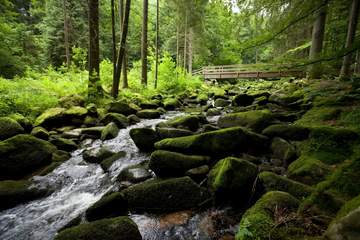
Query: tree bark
[
  {"x": 120, "y": 57},
  {"x": 157, "y": 45},
  {"x": 317, "y": 40},
  {"x": 353, "y": 20},
  {"x": 113, "y": 37},
  {"x": 94, "y": 87},
  {"x": 124, "y": 67},
  {"x": 125, "y": 77},
  {"x": 144, "y": 43},
  {"x": 66, "y": 34}
]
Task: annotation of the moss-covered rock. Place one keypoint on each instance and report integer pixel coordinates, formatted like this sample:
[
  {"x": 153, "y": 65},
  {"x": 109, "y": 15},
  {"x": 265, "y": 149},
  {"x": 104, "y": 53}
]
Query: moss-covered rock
[
  {"x": 92, "y": 110},
  {"x": 283, "y": 150},
  {"x": 172, "y": 164},
  {"x": 188, "y": 122},
  {"x": 123, "y": 108},
  {"x": 120, "y": 228},
  {"x": 23, "y": 154},
  {"x": 348, "y": 207},
  {"x": 72, "y": 100},
  {"x": 256, "y": 120},
  {"x": 213, "y": 112},
  {"x": 171, "y": 103},
  {"x": 92, "y": 132},
  {"x": 58, "y": 117},
  {"x": 286, "y": 99},
  {"x": 198, "y": 174},
  {"x": 165, "y": 195},
  {"x": 172, "y": 132},
  {"x": 108, "y": 161},
  {"x": 23, "y": 121},
  {"x": 97, "y": 155},
  {"x": 133, "y": 119},
  {"x": 63, "y": 143},
  {"x": 243, "y": 100},
  {"x": 258, "y": 221},
  {"x": 288, "y": 132},
  {"x": 232, "y": 178},
  {"x": 134, "y": 174},
  {"x": 9, "y": 128},
  {"x": 272, "y": 182},
  {"x": 222, "y": 142},
  {"x": 40, "y": 132},
  {"x": 109, "y": 132},
  {"x": 108, "y": 206},
  {"x": 144, "y": 138},
  {"x": 60, "y": 156},
  {"x": 149, "y": 114},
  {"x": 13, "y": 193},
  {"x": 221, "y": 102},
  {"x": 119, "y": 119}
]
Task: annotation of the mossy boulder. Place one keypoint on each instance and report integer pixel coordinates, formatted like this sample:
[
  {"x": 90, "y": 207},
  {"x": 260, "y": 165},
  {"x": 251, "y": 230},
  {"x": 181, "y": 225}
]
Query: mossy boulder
[
  {"x": 108, "y": 161},
  {"x": 172, "y": 164},
  {"x": 172, "y": 132},
  {"x": 171, "y": 103},
  {"x": 60, "y": 156},
  {"x": 243, "y": 100},
  {"x": 222, "y": 142},
  {"x": 97, "y": 155},
  {"x": 258, "y": 221},
  {"x": 92, "y": 132},
  {"x": 92, "y": 110},
  {"x": 144, "y": 138},
  {"x": 58, "y": 117},
  {"x": 13, "y": 193},
  {"x": 108, "y": 206},
  {"x": 288, "y": 132},
  {"x": 123, "y": 108},
  {"x": 188, "y": 122},
  {"x": 283, "y": 150},
  {"x": 198, "y": 174},
  {"x": 165, "y": 195},
  {"x": 119, "y": 119},
  {"x": 272, "y": 182},
  {"x": 133, "y": 119},
  {"x": 9, "y": 128},
  {"x": 120, "y": 228},
  {"x": 23, "y": 121},
  {"x": 232, "y": 179},
  {"x": 72, "y": 100},
  {"x": 213, "y": 112},
  {"x": 63, "y": 143},
  {"x": 153, "y": 104},
  {"x": 255, "y": 120},
  {"x": 40, "y": 132},
  {"x": 23, "y": 154},
  {"x": 149, "y": 114},
  {"x": 286, "y": 99},
  {"x": 221, "y": 102},
  {"x": 109, "y": 132},
  {"x": 134, "y": 174}
]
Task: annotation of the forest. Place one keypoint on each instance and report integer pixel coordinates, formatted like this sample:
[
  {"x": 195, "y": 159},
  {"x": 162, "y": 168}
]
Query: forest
[{"x": 179, "y": 120}]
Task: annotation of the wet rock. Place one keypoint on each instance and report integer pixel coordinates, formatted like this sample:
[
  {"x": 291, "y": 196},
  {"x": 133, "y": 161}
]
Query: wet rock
[
  {"x": 283, "y": 150},
  {"x": 72, "y": 134},
  {"x": 13, "y": 193},
  {"x": 171, "y": 104},
  {"x": 210, "y": 128},
  {"x": 23, "y": 121},
  {"x": 63, "y": 144},
  {"x": 148, "y": 114},
  {"x": 134, "y": 174},
  {"x": 60, "y": 156},
  {"x": 91, "y": 121},
  {"x": 57, "y": 117},
  {"x": 172, "y": 164},
  {"x": 144, "y": 138},
  {"x": 221, "y": 102},
  {"x": 243, "y": 100},
  {"x": 272, "y": 182},
  {"x": 120, "y": 228},
  {"x": 188, "y": 122},
  {"x": 109, "y": 132},
  {"x": 92, "y": 110},
  {"x": 213, "y": 112},
  {"x": 165, "y": 195},
  {"x": 150, "y": 104},
  {"x": 41, "y": 133},
  {"x": 232, "y": 179},
  {"x": 111, "y": 205},
  {"x": 172, "y": 132},
  {"x": 255, "y": 120},
  {"x": 95, "y": 132},
  {"x": 345, "y": 228},
  {"x": 107, "y": 162},
  {"x": 123, "y": 108},
  {"x": 133, "y": 119},
  {"x": 198, "y": 174},
  {"x": 9, "y": 128},
  {"x": 119, "y": 119},
  {"x": 23, "y": 154},
  {"x": 222, "y": 142},
  {"x": 97, "y": 155},
  {"x": 289, "y": 132}
]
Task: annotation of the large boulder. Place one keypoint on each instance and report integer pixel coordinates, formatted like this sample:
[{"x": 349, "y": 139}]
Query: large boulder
[
  {"x": 134, "y": 174},
  {"x": 97, "y": 155},
  {"x": 40, "y": 132},
  {"x": 111, "y": 205},
  {"x": 58, "y": 117},
  {"x": 345, "y": 228},
  {"x": 283, "y": 150},
  {"x": 149, "y": 114},
  {"x": 221, "y": 143},
  {"x": 23, "y": 121},
  {"x": 123, "y": 108},
  {"x": 144, "y": 138},
  {"x": 63, "y": 143},
  {"x": 232, "y": 179},
  {"x": 221, "y": 102},
  {"x": 9, "y": 128},
  {"x": 171, "y": 164},
  {"x": 120, "y": 228},
  {"x": 92, "y": 132},
  {"x": 23, "y": 154},
  {"x": 188, "y": 122},
  {"x": 288, "y": 132},
  {"x": 172, "y": 132},
  {"x": 13, "y": 193},
  {"x": 109, "y": 132},
  {"x": 119, "y": 119},
  {"x": 243, "y": 100},
  {"x": 72, "y": 100},
  {"x": 165, "y": 195},
  {"x": 255, "y": 120},
  {"x": 171, "y": 103}
]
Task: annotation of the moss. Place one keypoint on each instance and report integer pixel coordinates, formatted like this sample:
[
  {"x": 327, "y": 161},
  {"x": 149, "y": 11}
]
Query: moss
[
  {"x": 149, "y": 114},
  {"x": 188, "y": 122},
  {"x": 258, "y": 221},
  {"x": 348, "y": 207},
  {"x": 50, "y": 116},
  {"x": 64, "y": 144},
  {"x": 119, "y": 119},
  {"x": 171, "y": 164},
  {"x": 60, "y": 156},
  {"x": 120, "y": 228},
  {"x": 320, "y": 116},
  {"x": 123, "y": 108},
  {"x": 172, "y": 132},
  {"x": 23, "y": 121},
  {"x": 144, "y": 138},
  {"x": 76, "y": 111},
  {"x": 106, "y": 163},
  {"x": 256, "y": 120},
  {"x": 171, "y": 103},
  {"x": 9, "y": 128},
  {"x": 40, "y": 132},
  {"x": 273, "y": 182},
  {"x": 109, "y": 132},
  {"x": 289, "y": 132}
]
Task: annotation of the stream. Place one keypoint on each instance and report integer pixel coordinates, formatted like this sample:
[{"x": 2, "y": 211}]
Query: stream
[{"x": 77, "y": 185}]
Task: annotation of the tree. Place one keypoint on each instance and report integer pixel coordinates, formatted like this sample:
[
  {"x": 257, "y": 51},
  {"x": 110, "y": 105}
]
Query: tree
[
  {"x": 157, "y": 44},
  {"x": 353, "y": 20},
  {"x": 144, "y": 43},
  {"x": 317, "y": 40},
  {"x": 113, "y": 36},
  {"x": 124, "y": 66},
  {"x": 66, "y": 34}
]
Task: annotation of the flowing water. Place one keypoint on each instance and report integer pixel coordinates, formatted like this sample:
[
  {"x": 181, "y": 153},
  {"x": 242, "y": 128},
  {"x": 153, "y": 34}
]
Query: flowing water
[{"x": 77, "y": 185}]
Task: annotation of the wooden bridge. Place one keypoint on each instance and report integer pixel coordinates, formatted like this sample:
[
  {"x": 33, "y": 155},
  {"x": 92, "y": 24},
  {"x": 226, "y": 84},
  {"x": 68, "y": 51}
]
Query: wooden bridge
[{"x": 246, "y": 71}]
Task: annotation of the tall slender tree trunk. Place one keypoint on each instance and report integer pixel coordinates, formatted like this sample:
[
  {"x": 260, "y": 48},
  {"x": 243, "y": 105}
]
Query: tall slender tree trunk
[
  {"x": 113, "y": 37},
  {"x": 185, "y": 40},
  {"x": 120, "y": 56},
  {"x": 191, "y": 50},
  {"x": 144, "y": 43},
  {"x": 317, "y": 40},
  {"x": 157, "y": 45},
  {"x": 353, "y": 20},
  {"x": 66, "y": 34},
  {"x": 125, "y": 75},
  {"x": 124, "y": 67},
  {"x": 177, "y": 46},
  {"x": 94, "y": 88}
]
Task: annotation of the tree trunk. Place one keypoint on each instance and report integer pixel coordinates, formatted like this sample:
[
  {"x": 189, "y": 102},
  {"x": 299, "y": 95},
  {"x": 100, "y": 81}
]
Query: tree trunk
[
  {"x": 113, "y": 37},
  {"x": 191, "y": 50},
  {"x": 66, "y": 34},
  {"x": 357, "y": 63},
  {"x": 125, "y": 77},
  {"x": 94, "y": 87},
  {"x": 353, "y": 20},
  {"x": 315, "y": 70},
  {"x": 157, "y": 45},
  {"x": 144, "y": 43},
  {"x": 124, "y": 67},
  {"x": 185, "y": 41},
  {"x": 177, "y": 47},
  {"x": 120, "y": 57}
]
